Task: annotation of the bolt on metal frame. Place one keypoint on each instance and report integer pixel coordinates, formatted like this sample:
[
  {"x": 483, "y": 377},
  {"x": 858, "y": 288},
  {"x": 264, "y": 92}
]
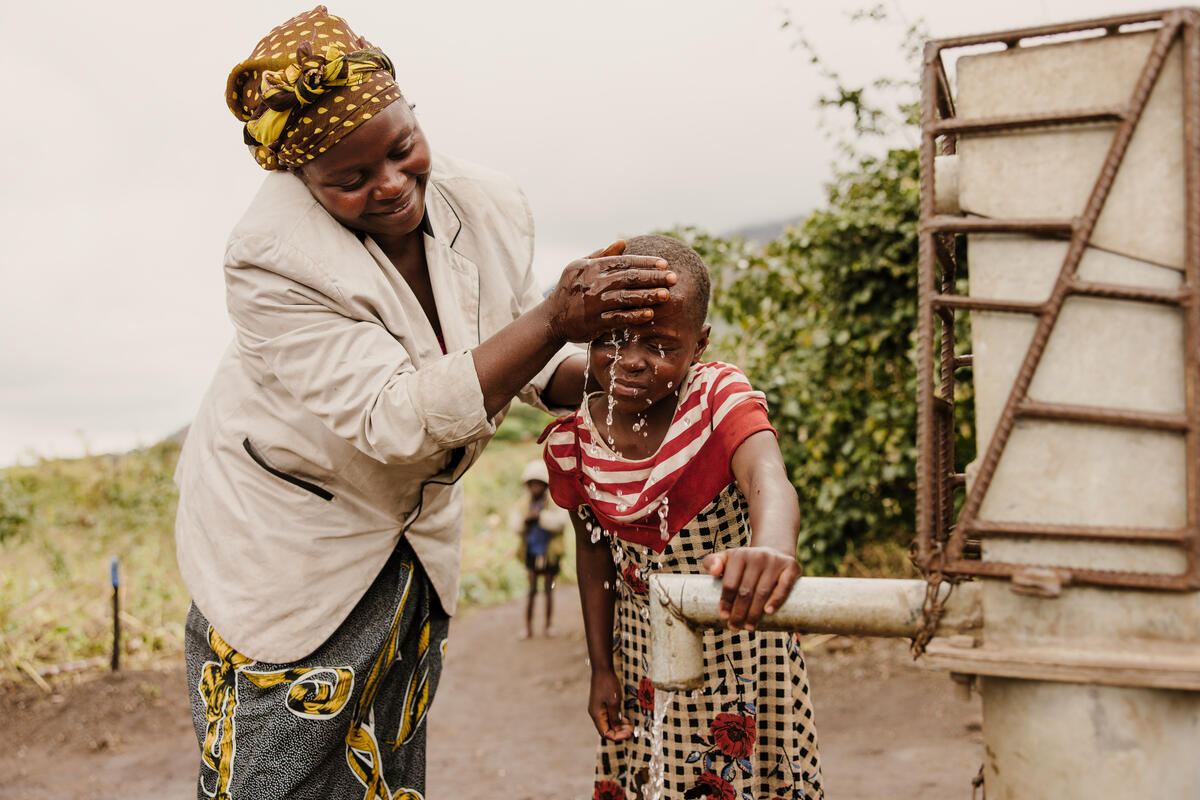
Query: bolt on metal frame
[{"x": 944, "y": 543}]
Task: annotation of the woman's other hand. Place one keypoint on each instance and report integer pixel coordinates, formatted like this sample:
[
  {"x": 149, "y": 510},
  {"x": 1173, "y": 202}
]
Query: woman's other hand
[
  {"x": 754, "y": 581},
  {"x": 606, "y": 290},
  {"x": 604, "y": 706}
]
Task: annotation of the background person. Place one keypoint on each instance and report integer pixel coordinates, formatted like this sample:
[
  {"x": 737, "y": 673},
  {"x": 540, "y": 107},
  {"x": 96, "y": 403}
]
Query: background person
[
  {"x": 539, "y": 526},
  {"x": 385, "y": 316}
]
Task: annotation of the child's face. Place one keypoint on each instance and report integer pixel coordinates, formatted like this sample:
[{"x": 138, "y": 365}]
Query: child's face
[{"x": 643, "y": 365}]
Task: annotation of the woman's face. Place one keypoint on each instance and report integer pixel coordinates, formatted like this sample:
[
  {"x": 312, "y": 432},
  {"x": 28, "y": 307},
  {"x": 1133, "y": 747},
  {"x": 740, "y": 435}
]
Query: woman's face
[{"x": 373, "y": 181}]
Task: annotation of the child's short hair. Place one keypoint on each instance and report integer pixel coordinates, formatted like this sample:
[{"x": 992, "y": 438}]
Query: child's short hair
[{"x": 686, "y": 264}]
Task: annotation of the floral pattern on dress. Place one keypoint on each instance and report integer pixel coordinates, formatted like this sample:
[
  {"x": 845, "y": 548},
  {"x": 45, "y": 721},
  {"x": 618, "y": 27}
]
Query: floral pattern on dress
[
  {"x": 608, "y": 790},
  {"x": 749, "y": 733}
]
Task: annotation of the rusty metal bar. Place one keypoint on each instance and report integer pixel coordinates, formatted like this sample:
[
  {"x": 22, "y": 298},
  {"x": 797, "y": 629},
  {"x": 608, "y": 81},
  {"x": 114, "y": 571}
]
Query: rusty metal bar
[
  {"x": 1113, "y": 533},
  {"x": 928, "y": 482},
  {"x": 1103, "y": 416},
  {"x": 943, "y": 253},
  {"x": 1191, "y": 136},
  {"x": 1014, "y": 35},
  {"x": 945, "y": 422},
  {"x": 1025, "y": 121},
  {"x": 987, "y": 304},
  {"x": 1117, "y": 291},
  {"x": 945, "y": 104},
  {"x": 1079, "y": 577},
  {"x": 986, "y": 225}
]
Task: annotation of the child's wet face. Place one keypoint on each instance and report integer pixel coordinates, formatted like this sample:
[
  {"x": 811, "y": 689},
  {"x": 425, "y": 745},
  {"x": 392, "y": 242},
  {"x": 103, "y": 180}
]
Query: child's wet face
[{"x": 643, "y": 365}]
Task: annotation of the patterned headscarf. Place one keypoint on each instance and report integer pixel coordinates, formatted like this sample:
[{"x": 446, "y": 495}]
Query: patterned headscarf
[{"x": 308, "y": 83}]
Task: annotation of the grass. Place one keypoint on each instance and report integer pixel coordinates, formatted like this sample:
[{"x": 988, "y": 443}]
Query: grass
[{"x": 62, "y": 521}]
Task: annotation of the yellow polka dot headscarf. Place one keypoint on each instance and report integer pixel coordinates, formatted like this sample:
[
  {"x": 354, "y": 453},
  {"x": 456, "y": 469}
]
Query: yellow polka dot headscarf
[{"x": 308, "y": 83}]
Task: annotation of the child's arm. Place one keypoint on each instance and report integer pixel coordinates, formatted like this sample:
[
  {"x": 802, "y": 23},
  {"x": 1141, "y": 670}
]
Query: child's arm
[
  {"x": 758, "y": 578},
  {"x": 597, "y": 580}
]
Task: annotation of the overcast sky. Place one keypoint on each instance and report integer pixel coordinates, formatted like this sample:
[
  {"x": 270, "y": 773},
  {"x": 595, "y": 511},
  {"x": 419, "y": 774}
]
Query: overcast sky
[{"x": 123, "y": 171}]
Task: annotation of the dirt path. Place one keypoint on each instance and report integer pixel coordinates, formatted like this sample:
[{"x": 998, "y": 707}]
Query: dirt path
[{"x": 508, "y": 722}]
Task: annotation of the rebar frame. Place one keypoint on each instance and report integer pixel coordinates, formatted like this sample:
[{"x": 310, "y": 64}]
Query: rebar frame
[{"x": 943, "y": 542}]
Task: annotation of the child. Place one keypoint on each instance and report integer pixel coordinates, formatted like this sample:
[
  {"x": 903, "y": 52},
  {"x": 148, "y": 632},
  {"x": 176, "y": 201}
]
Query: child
[
  {"x": 673, "y": 467},
  {"x": 539, "y": 526}
]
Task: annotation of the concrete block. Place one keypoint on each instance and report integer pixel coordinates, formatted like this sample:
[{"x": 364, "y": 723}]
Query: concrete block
[
  {"x": 1123, "y": 742},
  {"x": 1110, "y": 353},
  {"x": 1051, "y": 172}
]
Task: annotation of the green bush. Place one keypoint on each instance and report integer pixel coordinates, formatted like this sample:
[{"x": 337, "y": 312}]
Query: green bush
[
  {"x": 15, "y": 507},
  {"x": 823, "y": 320}
]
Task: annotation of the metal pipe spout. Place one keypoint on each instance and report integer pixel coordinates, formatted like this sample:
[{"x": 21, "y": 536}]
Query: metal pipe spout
[{"x": 682, "y": 606}]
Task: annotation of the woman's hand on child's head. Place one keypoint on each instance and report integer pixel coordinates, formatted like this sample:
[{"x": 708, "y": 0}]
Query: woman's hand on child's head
[
  {"x": 604, "y": 706},
  {"x": 607, "y": 290},
  {"x": 754, "y": 581}
]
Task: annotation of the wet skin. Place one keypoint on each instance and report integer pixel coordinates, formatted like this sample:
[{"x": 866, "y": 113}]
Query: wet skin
[{"x": 642, "y": 368}]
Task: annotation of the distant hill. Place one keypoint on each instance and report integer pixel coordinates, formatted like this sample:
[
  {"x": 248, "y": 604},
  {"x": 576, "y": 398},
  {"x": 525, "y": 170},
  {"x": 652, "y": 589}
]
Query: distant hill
[{"x": 762, "y": 232}]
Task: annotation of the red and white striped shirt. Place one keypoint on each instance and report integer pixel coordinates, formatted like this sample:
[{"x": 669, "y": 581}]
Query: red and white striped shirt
[{"x": 647, "y": 501}]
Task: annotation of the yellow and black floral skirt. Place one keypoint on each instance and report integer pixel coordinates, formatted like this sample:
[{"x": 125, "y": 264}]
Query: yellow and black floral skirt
[{"x": 347, "y": 721}]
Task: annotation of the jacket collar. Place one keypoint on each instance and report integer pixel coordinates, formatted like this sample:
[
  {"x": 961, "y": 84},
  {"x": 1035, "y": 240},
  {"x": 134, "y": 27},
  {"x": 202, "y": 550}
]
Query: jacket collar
[{"x": 441, "y": 219}]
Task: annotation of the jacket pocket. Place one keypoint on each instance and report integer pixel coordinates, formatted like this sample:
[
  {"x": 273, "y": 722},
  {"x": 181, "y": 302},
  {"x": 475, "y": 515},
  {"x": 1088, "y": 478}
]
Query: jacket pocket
[{"x": 307, "y": 486}]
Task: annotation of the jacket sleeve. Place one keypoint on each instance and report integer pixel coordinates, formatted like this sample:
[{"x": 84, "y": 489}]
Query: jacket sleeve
[
  {"x": 352, "y": 374},
  {"x": 529, "y": 296}
]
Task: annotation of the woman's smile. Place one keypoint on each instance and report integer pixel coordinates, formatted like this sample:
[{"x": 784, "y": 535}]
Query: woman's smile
[{"x": 399, "y": 208}]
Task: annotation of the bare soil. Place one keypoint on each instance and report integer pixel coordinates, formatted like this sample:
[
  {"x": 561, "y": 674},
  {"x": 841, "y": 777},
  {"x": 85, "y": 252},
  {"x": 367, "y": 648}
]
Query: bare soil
[{"x": 509, "y": 721}]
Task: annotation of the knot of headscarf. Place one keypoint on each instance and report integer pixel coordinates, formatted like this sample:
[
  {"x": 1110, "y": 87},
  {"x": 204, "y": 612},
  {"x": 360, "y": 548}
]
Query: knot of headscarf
[
  {"x": 303, "y": 82},
  {"x": 307, "y": 85}
]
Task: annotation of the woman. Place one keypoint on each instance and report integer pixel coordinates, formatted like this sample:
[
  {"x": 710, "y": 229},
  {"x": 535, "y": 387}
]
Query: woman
[{"x": 385, "y": 317}]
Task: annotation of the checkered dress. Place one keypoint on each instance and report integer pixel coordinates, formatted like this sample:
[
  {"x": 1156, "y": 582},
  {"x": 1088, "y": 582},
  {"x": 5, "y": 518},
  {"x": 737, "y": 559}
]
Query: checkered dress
[{"x": 749, "y": 733}]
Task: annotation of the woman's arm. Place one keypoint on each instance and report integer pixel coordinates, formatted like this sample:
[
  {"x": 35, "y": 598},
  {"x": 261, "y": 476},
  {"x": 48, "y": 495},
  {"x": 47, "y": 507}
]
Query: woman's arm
[
  {"x": 566, "y": 386},
  {"x": 758, "y": 578},
  {"x": 360, "y": 381},
  {"x": 597, "y": 581}
]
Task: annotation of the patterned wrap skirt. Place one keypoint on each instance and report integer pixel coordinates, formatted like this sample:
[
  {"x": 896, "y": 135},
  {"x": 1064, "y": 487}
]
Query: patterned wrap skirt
[
  {"x": 346, "y": 721},
  {"x": 749, "y": 733}
]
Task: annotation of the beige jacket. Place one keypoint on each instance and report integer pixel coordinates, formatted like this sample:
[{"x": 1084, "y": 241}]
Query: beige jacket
[{"x": 334, "y": 424}]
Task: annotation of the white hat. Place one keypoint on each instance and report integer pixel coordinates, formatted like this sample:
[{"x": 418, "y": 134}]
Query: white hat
[{"x": 536, "y": 471}]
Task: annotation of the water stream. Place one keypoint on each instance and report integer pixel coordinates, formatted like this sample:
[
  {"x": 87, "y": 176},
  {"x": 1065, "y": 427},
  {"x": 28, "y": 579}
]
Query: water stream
[{"x": 653, "y": 790}]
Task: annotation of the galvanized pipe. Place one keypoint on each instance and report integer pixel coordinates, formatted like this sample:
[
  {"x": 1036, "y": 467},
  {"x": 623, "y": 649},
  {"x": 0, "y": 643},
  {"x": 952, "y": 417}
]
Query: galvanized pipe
[{"x": 682, "y": 606}]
